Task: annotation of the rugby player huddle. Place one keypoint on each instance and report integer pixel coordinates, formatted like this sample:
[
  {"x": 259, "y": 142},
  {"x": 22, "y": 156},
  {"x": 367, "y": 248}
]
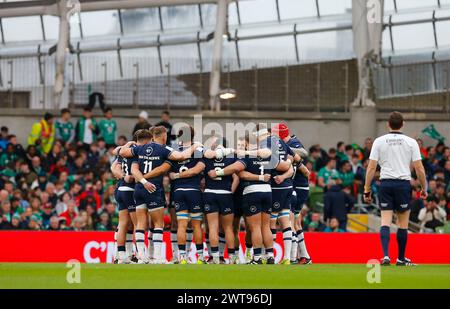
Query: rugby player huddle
[{"x": 263, "y": 180}]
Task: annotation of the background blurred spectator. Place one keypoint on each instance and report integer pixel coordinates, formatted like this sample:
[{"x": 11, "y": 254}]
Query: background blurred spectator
[
  {"x": 86, "y": 129},
  {"x": 432, "y": 216},
  {"x": 333, "y": 226},
  {"x": 142, "y": 123},
  {"x": 108, "y": 128},
  {"x": 337, "y": 203},
  {"x": 43, "y": 133},
  {"x": 65, "y": 131},
  {"x": 165, "y": 122}
]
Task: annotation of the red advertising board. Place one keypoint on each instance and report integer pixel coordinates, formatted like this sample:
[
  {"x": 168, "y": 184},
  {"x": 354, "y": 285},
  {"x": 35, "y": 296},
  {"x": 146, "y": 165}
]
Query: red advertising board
[{"x": 98, "y": 247}]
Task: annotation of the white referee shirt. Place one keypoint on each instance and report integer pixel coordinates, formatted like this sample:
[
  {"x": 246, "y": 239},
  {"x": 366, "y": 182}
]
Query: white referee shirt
[{"x": 394, "y": 152}]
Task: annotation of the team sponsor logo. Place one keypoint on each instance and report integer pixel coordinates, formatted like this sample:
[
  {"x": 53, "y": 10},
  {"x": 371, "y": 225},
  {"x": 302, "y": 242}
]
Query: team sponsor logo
[
  {"x": 218, "y": 160},
  {"x": 384, "y": 205},
  {"x": 227, "y": 210},
  {"x": 197, "y": 207},
  {"x": 149, "y": 151},
  {"x": 253, "y": 209},
  {"x": 176, "y": 205},
  {"x": 207, "y": 207},
  {"x": 276, "y": 205},
  {"x": 404, "y": 205}
]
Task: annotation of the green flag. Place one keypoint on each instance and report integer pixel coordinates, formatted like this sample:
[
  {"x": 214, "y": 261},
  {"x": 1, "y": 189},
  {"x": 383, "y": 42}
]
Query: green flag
[{"x": 431, "y": 131}]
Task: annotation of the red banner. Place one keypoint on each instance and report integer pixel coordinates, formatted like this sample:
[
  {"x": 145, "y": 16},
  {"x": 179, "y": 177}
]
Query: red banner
[{"x": 99, "y": 247}]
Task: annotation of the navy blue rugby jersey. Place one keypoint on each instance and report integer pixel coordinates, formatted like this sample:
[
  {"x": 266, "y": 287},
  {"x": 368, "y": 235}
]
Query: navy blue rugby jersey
[
  {"x": 151, "y": 156},
  {"x": 219, "y": 183},
  {"x": 299, "y": 179}
]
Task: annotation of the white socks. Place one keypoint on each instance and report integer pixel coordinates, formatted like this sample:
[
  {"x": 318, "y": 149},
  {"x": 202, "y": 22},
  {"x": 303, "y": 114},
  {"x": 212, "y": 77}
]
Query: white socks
[
  {"x": 294, "y": 247},
  {"x": 157, "y": 243},
  {"x": 129, "y": 243},
  {"x": 287, "y": 241},
  {"x": 150, "y": 248},
  {"x": 174, "y": 242},
  {"x": 140, "y": 244},
  {"x": 301, "y": 244}
]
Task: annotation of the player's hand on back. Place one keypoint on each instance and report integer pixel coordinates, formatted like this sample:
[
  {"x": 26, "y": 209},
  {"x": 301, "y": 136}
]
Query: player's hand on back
[
  {"x": 129, "y": 179},
  {"x": 212, "y": 174},
  {"x": 150, "y": 187},
  {"x": 278, "y": 179}
]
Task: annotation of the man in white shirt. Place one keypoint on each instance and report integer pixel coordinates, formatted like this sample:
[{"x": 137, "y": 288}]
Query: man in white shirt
[{"x": 395, "y": 152}]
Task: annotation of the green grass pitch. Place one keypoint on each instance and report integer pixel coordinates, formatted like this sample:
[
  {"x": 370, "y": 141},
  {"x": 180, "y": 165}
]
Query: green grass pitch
[{"x": 42, "y": 276}]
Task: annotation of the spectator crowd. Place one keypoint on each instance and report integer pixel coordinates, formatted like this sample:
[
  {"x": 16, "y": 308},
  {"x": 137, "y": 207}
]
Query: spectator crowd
[{"x": 62, "y": 181}]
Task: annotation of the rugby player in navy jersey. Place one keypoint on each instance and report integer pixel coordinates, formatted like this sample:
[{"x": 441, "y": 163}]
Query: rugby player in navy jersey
[
  {"x": 151, "y": 163},
  {"x": 187, "y": 198},
  {"x": 255, "y": 171},
  {"x": 301, "y": 190},
  {"x": 218, "y": 200},
  {"x": 238, "y": 212},
  {"x": 282, "y": 187},
  {"x": 124, "y": 195}
]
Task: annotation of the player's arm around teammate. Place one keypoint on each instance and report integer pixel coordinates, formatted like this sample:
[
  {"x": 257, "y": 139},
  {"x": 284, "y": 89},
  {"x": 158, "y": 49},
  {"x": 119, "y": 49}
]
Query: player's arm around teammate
[{"x": 184, "y": 215}]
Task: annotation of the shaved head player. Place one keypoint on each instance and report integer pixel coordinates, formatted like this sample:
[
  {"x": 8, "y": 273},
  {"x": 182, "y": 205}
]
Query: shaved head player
[{"x": 395, "y": 152}]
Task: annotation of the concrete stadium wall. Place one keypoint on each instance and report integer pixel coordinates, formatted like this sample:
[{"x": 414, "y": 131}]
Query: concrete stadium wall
[{"x": 323, "y": 128}]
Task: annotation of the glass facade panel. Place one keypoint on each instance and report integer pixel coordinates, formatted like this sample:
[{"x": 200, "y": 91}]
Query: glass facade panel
[
  {"x": 17, "y": 29},
  {"x": 294, "y": 9}
]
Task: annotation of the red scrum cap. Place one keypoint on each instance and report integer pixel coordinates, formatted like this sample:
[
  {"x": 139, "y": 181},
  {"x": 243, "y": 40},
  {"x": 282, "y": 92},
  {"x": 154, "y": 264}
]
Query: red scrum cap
[{"x": 281, "y": 130}]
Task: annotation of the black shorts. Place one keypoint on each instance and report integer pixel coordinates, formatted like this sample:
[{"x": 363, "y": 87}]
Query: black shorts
[
  {"x": 151, "y": 200},
  {"x": 188, "y": 200},
  {"x": 395, "y": 195},
  {"x": 257, "y": 202},
  {"x": 125, "y": 200},
  {"x": 300, "y": 200},
  {"x": 281, "y": 199},
  {"x": 221, "y": 203},
  {"x": 237, "y": 203}
]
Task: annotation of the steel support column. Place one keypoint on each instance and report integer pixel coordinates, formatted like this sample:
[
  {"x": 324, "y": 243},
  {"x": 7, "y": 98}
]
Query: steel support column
[
  {"x": 214, "y": 85},
  {"x": 61, "y": 49}
]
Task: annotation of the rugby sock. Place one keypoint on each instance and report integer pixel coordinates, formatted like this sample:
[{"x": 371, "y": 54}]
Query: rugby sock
[
  {"x": 231, "y": 253},
  {"x": 199, "y": 248},
  {"x": 269, "y": 252},
  {"x": 140, "y": 243},
  {"x": 385, "y": 237},
  {"x": 174, "y": 242},
  {"x": 274, "y": 234},
  {"x": 248, "y": 249},
  {"x": 287, "y": 241},
  {"x": 150, "y": 246},
  {"x": 402, "y": 238},
  {"x": 157, "y": 243},
  {"x": 182, "y": 251},
  {"x": 189, "y": 235},
  {"x": 294, "y": 247},
  {"x": 115, "y": 244},
  {"x": 301, "y": 244},
  {"x": 208, "y": 245},
  {"x": 222, "y": 243},
  {"x": 122, "y": 253},
  {"x": 215, "y": 254},
  {"x": 129, "y": 243},
  {"x": 257, "y": 254}
]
